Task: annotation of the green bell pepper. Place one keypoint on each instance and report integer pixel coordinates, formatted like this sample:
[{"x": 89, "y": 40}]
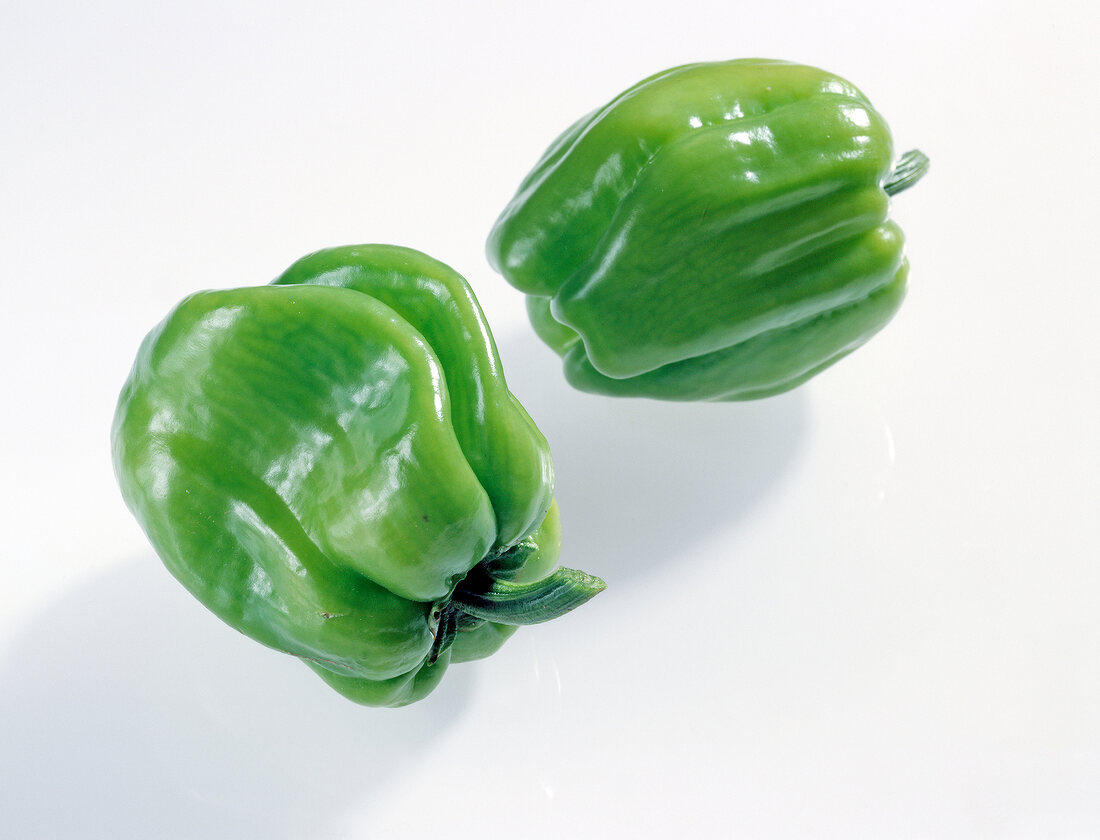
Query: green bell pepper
[
  {"x": 716, "y": 232},
  {"x": 334, "y": 465}
]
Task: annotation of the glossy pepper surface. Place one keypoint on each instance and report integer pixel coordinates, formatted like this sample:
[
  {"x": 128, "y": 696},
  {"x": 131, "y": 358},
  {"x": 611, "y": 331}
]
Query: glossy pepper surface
[
  {"x": 334, "y": 465},
  {"x": 716, "y": 232}
]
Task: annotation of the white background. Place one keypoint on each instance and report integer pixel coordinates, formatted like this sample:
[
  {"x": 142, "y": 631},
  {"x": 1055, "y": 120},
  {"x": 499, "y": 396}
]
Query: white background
[{"x": 866, "y": 609}]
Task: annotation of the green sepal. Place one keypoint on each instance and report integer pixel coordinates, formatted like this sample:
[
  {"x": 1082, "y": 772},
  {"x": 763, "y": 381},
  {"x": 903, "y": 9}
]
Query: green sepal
[
  {"x": 505, "y": 602},
  {"x": 910, "y": 168}
]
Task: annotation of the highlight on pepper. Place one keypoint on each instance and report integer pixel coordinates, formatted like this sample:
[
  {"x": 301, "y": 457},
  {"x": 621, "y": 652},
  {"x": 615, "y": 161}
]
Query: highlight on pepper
[
  {"x": 334, "y": 465},
  {"x": 718, "y": 231}
]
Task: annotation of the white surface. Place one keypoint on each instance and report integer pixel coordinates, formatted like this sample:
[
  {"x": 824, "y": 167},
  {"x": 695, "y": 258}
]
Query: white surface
[{"x": 867, "y": 609}]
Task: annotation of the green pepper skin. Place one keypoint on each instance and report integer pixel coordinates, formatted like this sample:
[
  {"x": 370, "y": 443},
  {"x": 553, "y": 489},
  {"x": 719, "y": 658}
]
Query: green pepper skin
[
  {"x": 716, "y": 232},
  {"x": 325, "y": 460}
]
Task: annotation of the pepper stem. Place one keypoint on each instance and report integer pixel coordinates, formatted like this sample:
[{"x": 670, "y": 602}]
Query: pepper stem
[
  {"x": 909, "y": 169},
  {"x": 445, "y": 633},
  {"x": 505, "y": 602}
]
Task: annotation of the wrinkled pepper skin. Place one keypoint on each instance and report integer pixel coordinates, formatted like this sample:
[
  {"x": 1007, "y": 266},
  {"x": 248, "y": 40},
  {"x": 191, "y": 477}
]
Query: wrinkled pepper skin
[
  {"x": 716, "y": 232},
  {"x": 324, "y": 461}
]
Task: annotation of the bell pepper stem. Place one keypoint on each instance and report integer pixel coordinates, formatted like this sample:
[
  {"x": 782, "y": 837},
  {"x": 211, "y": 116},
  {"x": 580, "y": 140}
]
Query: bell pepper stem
[
  {"x": 445, "y": 633},
  {"x": 909, "y": 169},
  {"x": 505, "y": 602}
]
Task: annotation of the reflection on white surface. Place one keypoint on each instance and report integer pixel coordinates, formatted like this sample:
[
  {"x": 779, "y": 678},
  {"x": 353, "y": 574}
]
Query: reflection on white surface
[
  {"x": 546, "y": 672},
  {"x": 891, "y": 447}
]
